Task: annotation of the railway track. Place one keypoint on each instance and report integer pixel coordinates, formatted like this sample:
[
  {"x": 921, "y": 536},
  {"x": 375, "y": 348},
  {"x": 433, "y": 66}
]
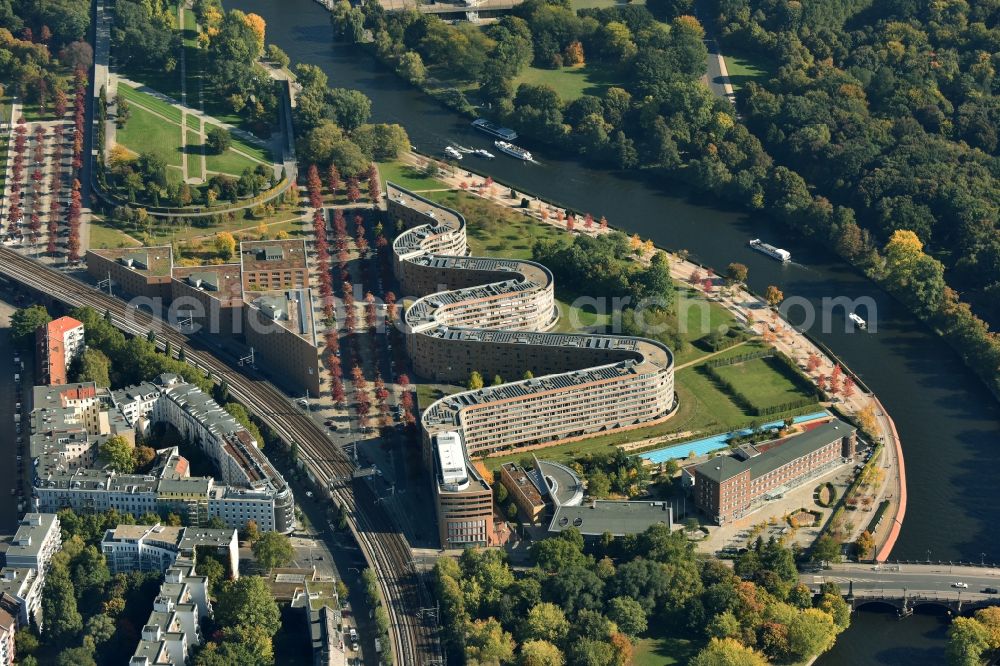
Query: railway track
[{"x": 385, "y": 549}]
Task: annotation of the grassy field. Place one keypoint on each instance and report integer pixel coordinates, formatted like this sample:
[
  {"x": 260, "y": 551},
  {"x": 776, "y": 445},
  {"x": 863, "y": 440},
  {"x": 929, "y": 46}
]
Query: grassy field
[
  {"x": 663, "y": 651},
  {"x": 407, "y": 176},
  {"x": 743, "y": 68},
  {"x": 576, "y": 320},
  {"x": 193, "y": 148},
  {"x": 193, "y": 122},
  {"x": 137, "y": 97},
  {"x": 762, "y": 381},
  {"x": 145, "y": 132},
  {"x": 103, "y": 235},
  {"x": 569, "y": 82}
]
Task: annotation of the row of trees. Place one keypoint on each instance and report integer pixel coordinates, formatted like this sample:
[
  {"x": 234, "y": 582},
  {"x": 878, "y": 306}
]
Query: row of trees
[{"x": 580, "y": 605}]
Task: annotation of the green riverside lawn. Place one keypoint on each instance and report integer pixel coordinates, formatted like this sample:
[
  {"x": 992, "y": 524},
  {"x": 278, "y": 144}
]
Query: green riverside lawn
[
  {"x": 704, "y": 409},
  {"x": 570, "y": 82}
]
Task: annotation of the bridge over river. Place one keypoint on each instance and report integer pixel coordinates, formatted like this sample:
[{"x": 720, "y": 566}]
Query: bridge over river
[{"x": 906, "y": 585}]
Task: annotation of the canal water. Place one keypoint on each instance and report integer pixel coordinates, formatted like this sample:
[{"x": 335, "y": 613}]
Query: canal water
[{"x": 948, "y": 422}]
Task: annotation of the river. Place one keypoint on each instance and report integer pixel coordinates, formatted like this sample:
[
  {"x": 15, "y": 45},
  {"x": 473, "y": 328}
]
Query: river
[{"x": 947, "y": 421}]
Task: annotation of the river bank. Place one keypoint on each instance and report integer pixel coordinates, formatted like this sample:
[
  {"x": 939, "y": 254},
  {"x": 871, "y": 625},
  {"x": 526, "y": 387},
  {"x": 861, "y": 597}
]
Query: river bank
[{"x": 747, "y": 307}]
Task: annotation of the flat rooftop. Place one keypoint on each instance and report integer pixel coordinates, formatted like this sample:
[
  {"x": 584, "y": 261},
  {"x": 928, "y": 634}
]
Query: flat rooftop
[
  {"x": 292, "y": 309},
  {"x": 559, "y": 482},
  {"x": 223, "y": 282},
  {"x": 273, "y": 255},
  {"x": 618, "y": 518},
  {"x": 722, "y": 468},
  {"x": 148, "y": 261}
]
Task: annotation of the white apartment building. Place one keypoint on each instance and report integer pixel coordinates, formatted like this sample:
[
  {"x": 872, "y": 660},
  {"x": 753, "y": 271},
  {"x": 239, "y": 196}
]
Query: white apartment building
[{"x": 173, "y": 626}]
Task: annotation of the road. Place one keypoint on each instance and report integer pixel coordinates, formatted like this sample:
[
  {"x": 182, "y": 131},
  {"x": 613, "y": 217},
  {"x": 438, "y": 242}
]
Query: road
[
  {"x": 914, "y": 578},
  {"x": 718, "y": 76},
  {"x": 11, "y": 393},
  {"x": 385, "y": 549}
]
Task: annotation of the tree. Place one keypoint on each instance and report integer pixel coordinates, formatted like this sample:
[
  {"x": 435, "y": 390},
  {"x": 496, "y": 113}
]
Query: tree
[
  {"x": 546, "y": 622},
  {"x": 76, "y": 656},
  {"x": 351, "y": 108},
  {"x": 810, "y": 632},
  {"x": 967, "y": 640},
  {"x": 727, "y": 652},
  {"x": 62, "y": 619},
  {"x": 273, "y": 549},
  {"x": 25, "y": 642},
  {"x": 116, "y": 453},
  {"x": 990, "y": 619},
  {"x": 100, "y": 628},
  {"x": 628, "y": 614},
  {"x": 277, "y": 56},
  {"x": 225, "y": 245},
  {"x": 736, "y": 273},
  {"x": 487, "y": 642},
  {"x": 93, "y": 366},
  {"x": 218, "y": 140},
  {"x": 251, "y": 532},
  {"x": 540, "y": 653},
  {"x": 668, "y": 10},
  {"x": 774, "y": 296},
  {"x": 248, "y": 602},
  {"x": 25, "y": 322},
  {"x": 865, "y": 545},
  {"x": 475, "y": 381},
  {"x": 826, "y": 549}
]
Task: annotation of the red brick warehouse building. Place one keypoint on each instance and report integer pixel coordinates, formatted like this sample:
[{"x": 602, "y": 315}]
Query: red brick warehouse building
[{"x": 729, "y": 487}]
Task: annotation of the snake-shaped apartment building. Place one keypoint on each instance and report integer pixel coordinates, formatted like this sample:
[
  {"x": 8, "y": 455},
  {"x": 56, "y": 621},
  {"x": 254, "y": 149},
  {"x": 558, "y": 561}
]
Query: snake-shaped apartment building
[{"x": 494, "y": 316}]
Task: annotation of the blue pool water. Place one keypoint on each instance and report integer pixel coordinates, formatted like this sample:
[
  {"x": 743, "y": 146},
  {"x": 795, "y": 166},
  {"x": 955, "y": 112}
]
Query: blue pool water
[{"x": 705, "y": 446}]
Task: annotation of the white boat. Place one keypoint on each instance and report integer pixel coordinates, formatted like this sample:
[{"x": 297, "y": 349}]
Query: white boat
[
  {"x": 771, "y": 251},
  {"x": 858, "y": 321},
  {"x": 482, "y": 152},
  {"x": 452, "y": 153},
  {"x": 512, "y": 150}
]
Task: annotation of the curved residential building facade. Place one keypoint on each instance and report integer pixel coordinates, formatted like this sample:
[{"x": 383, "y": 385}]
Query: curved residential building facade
[{"x": 492, "y": 315}]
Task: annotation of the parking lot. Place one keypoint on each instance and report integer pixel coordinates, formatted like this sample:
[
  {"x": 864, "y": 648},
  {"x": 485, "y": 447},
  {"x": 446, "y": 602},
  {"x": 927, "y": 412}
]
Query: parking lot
[{"x": 15, "y": 388}]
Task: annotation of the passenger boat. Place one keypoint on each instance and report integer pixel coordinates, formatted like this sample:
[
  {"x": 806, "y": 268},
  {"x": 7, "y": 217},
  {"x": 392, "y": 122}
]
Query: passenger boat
[
  {"x": 481, "y": 152},
  {"x": 452, "y": 153},
  {"x": 771, "y": 251},
  {"x": 493, "y": 129},
  {"x": 858, "y": 321},
  {"x": 513, "y": 151}
]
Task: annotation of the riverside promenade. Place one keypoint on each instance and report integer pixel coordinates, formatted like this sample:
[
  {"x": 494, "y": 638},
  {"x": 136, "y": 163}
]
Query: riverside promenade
[{"x": 748, "y": 308}]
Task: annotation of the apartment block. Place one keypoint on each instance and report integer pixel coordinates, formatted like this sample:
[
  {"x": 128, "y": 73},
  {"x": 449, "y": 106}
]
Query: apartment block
[
  {"x": 21, "y": 595},
  {"x": 492, "y": 315},
  {"x": 37, "y": 539},
  {"x": 68, "y": 424},
  {"x": 157, "y": 547},
  {"x": 173, "y": 627},
  {"x": 58, "y": 344},
  {"x": 8, "y": 627}
]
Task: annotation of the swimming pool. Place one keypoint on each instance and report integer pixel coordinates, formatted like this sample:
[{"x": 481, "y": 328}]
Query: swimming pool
[{"x": 705, "y": 446}]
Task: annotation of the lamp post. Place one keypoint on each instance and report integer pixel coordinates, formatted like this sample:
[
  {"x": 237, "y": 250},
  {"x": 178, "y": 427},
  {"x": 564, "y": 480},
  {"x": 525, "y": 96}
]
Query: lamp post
[{"x": 928, "y": 555}]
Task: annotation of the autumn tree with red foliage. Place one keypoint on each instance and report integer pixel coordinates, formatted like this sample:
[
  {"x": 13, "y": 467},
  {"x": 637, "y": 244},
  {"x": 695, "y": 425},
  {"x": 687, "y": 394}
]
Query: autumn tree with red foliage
[{"x": 353, "y": 192}]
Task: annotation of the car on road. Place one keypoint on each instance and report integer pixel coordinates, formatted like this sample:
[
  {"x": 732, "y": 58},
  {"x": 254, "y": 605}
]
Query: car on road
[
  {"x": 990, "y": 590},
  {"x": 309, "y": 493},
  {"x": 960, "y": 585}
]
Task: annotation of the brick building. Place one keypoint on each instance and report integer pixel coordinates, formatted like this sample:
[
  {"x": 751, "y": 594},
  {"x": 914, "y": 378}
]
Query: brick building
[{"x": 729, "y": 487}]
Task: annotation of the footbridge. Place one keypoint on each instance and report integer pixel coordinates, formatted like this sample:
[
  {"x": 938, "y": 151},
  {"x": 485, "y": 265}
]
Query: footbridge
[{"x": 957, "y": 587}]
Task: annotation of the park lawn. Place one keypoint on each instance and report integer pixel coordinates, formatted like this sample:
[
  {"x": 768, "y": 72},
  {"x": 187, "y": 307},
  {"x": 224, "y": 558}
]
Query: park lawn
[
  {"x": 193, "y": 122},
  {"x": 229, "y": 162},
  {"x": 175, "y": 175},
  {"x": 296, "y": 228},
  {"x": 570, "y": 82},
  {"x": 573, "y": 319},
  {"x": 193, "y": 147},
  {"x": 103, "y": 235},
  {"x": 744, "y": 68},
  {"x": 663, "y": 651},
  {"x": 494, "y": 231},
  {"x": 427, "y": 394},
  {"x": 408, "y": 177},
  {"x": 144, "y": 133},
  {"x": 761, "y": 381},
  {"x": 137, "y": 97}
]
